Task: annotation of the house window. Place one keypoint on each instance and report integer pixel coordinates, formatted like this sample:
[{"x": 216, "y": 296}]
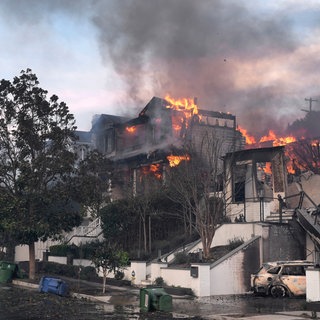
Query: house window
[{"x": 239, "y": 180}]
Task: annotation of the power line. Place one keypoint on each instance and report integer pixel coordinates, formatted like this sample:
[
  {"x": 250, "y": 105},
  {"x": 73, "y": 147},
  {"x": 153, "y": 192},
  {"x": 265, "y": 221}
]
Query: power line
[{"x": 310, "y": 100}]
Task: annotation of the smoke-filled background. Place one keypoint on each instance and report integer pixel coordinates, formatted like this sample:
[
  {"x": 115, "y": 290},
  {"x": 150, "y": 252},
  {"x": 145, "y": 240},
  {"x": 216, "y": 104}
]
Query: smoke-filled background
[{"x": 256, "y": 59}]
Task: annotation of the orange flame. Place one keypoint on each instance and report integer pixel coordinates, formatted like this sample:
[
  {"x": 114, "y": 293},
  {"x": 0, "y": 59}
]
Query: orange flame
[
  {"x": 277, "y": 141},
  {"x": 268, "y": 168},
  {"x": 174, "y": 161},
  {"x": 176, "y": 127},
  {"x": 290, "y": 167},
  {"x": 152, "y": 169},
  {"x": 183, "y": 104},
  {"x": 249, "y": 139},
  {"x": 131, "y": 129}
]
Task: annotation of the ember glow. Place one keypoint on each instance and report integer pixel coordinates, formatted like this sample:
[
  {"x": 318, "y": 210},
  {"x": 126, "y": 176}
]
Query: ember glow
[
  {"x": 174, "y": 161},
  {"x": 176, "y": 127},
  {"x": 315, "y": 143},
  {"x": 268, "y": 169},
  {"x": 153, "y": 169},
  {"x": 131, "y": 129}
]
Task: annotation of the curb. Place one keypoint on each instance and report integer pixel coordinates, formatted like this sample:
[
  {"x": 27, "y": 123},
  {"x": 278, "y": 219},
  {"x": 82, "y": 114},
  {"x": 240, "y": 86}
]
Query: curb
[
  {"x": 25, "y": 284},
  {"x": 77, "y": 295}
]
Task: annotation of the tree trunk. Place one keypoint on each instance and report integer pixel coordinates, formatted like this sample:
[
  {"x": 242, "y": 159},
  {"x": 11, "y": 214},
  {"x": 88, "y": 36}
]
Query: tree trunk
[
  {"x": 149, "y": 234},
  {"x": 190, "y": 222},
  {"x": 104, "y": 282},
  {"x": 32, "y": 261},
  {"x": 144, "y": 234},
  {"x": 10, "y": 253},
  {"x": 206, "y": 239}
]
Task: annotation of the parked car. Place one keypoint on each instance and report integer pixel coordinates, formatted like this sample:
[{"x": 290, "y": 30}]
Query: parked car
[{"x": 281, "y": 278}]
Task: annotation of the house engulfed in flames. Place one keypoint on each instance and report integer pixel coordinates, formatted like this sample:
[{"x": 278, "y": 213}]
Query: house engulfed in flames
[{"x": 155, "y": 141}]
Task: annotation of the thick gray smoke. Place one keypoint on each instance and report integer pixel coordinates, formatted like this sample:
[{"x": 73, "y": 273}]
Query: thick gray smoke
[
  {"x": 219, "y": 51},
  {"x": 194, "y": 48}
]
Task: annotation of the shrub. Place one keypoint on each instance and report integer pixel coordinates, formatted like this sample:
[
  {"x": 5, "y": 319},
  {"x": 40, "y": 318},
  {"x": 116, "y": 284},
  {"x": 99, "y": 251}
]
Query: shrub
[
  {"x": 159, "y": 282},
  {"x": 119, "y": 275},
  {"x": 235, "y": 243},
  {"x": 63, "y": 250},
  {"x": 88, "y": 273},
  {"x": 181, "y": 258},
  {"x": 60, "y": 269}
]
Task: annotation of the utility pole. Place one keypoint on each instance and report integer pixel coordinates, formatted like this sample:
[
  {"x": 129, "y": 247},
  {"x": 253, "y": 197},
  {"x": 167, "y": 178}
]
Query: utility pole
[{"x": 310, "y": 100}]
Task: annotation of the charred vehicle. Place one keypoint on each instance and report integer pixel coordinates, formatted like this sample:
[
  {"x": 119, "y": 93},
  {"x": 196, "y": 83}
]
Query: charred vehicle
[{"x": 281, "y": 278}]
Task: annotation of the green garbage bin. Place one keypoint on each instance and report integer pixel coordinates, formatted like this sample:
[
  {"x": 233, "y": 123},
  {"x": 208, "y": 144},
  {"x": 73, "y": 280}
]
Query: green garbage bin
[
  {"x": 155, "y": 299},
  {"x": 145, "y": 303},
  {"x": 8, "y": 270}
]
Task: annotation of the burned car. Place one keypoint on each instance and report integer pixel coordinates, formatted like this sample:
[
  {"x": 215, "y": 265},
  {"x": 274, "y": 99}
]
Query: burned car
[{"x": 281, "y": 278}]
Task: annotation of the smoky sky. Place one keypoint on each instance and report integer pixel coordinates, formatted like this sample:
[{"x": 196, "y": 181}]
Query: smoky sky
[
  {"x": 231, "y": 57},
  {"x": 193, "y": 48}
]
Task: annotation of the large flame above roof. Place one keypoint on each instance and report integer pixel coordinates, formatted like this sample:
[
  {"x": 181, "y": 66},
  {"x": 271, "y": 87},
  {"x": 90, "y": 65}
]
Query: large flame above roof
[{"x": 187, "y": 105}]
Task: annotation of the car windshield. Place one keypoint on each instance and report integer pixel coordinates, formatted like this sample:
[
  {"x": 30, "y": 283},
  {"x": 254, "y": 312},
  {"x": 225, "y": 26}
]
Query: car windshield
[
  {"x": 265, "y": 267},
  {"x": 274, "y": 270}
]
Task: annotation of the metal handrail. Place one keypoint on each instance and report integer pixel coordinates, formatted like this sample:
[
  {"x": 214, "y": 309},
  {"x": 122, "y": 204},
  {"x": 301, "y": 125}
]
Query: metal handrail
[
  {"x": 83, "y": 231},
  {"x": 302, "y": 195}
]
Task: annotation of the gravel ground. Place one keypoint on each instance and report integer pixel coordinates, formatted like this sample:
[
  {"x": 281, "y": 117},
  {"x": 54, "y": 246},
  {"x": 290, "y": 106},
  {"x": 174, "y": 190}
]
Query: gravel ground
[
  {"x": 29, "y": 304},
  {"x": 20, "y": 303}
]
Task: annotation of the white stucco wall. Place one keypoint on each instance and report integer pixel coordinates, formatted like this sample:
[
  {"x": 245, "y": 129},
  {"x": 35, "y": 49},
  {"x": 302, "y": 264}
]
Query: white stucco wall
[
  {"x": 22, "y": 253},
  {"x": 155, "y": 270},
  {"x": 61, "y": 260},
  {"x": 176, "y": 277},
  {"x": 230, "y": 282},
  {"x": 201, "y": 285},
  {"x": 232, "y": 231},
  {"x": 313, "y": 284},
  {"x": 227, "y": 232},
  {"x": 140, "y": 270},
  {"x": 82, "y": 262}
]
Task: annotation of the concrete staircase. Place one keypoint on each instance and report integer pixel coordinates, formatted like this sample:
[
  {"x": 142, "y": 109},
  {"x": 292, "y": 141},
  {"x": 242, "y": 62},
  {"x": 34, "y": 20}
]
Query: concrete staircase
[
  {"x": 83, "y": 234},
  {"x": 287, "y": 215}
]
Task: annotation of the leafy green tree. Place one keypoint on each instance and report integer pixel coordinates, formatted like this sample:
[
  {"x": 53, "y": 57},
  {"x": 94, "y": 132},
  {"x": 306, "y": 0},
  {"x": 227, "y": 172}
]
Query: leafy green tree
[
  {"x": 36, "y": 163},
  {"x": 93, "y": 182},
  {"x": 135, "y": 223},
  {"x": 109, "y": 258},
  {"x": 118, "y": 222}
]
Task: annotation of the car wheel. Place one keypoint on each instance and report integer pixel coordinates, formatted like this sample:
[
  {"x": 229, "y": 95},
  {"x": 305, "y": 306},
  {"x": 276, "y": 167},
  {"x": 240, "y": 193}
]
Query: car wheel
[{"x": 278, "y": 291}]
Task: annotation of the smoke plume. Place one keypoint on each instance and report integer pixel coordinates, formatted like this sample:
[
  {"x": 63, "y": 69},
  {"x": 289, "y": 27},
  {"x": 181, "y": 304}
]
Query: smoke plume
[{"x": 229, "y": 54}]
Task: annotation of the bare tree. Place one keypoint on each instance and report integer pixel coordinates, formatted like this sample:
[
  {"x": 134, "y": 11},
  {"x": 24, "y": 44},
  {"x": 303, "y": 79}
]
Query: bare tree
[{"x": 198, "y": 185}]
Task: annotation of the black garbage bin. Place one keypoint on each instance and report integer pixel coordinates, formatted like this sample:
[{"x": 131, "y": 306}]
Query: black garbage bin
[{"x": 155, "y": 299}]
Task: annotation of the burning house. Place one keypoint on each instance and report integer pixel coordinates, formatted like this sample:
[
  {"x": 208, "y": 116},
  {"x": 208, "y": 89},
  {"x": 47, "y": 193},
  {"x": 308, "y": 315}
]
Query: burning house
[
  {"x": 160, "y": 137},
  {"x": 255, "y": 179}
]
